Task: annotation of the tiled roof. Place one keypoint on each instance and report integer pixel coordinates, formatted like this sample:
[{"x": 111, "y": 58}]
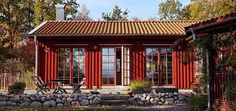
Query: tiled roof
[
  {"x": 212, "y": 20},
  {"x": 111, "y": 28}
]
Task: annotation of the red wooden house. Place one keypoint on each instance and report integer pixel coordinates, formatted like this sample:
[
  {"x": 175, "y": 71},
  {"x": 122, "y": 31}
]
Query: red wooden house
[
  {"x": 113, "y": 53},
  {"x": 221, "y": 79}
]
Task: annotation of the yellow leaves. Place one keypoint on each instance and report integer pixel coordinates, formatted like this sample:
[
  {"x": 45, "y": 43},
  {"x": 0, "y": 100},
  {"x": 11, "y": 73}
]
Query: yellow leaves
[
  {"x": 10, "y": 37},
  {"x": 206, "y": 9}
]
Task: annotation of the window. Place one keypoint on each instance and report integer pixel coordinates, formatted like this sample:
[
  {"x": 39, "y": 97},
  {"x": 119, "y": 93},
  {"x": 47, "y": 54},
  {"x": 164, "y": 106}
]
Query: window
[
  {"x": 126, "y": 66},
  {"x": 108, "y": 65},
  {"x": 78, "y": 64},
  {"x": 159, "y": 66},
  {"x": 64, "y": 64},
  {"x": 152, "y": 65},
  {"x": 166, "y": 65},
  {"x": 71, "y": 64}
]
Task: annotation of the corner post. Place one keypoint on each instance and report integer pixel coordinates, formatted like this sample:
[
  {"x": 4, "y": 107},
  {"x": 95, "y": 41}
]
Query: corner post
[{"x": 36, "y": 56}]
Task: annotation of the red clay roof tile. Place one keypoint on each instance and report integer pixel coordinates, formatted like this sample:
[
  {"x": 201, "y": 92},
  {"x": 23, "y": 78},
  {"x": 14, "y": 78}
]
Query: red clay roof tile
[{"x": 112, "y": 28}]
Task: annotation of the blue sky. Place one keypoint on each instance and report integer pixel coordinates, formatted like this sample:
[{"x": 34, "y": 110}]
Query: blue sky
[{"x": 142, "y": 9}]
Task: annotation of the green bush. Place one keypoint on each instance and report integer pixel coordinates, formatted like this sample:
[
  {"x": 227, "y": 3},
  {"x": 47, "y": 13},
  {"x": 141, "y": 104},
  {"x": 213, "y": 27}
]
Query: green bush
[
  {"x": 231, "y": 91},
  {"x": 18, "y": 85},
  {"x": 197, "y": 102},
  {"x": 139, "y": 86},
  {"x": 16, "y": 88}
]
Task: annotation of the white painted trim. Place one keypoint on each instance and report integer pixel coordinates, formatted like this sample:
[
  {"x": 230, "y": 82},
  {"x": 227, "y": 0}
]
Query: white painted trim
[
  {"x": 156, "y": 44},
  {"x": 36, "y": 28},
  {"x": 36, "y": 56},
  {"x": 189, "y": 37},
  {"x": 116, "y": 44},
  {"x": 69, "y": 44},
  {"x": 122, "y": 65}
]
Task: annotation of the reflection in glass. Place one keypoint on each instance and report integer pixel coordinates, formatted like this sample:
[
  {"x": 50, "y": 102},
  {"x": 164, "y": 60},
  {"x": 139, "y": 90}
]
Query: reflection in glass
[
  {"x": 108, "y": 65},
  {"x": 65, "y": 60},
  {"x": 104, "y": 59},
  {"x": 105, "y": 51},
  {"x": 111, "y": 58},
  {"x": 111, "y": 51}
]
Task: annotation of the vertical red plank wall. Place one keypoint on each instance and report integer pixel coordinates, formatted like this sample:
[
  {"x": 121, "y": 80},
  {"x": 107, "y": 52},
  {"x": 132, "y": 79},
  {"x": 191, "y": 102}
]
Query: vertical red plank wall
[
  {"x": 47, "y": 61},
  {"x": 184, "y": 69},
  {"x": 137, "y": 63},
  {"x": 92, "y": 69}
]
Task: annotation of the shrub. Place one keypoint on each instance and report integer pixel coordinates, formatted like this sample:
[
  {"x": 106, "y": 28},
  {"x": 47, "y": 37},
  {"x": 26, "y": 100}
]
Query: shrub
[
  {"x": 139, "y": 86},
  {"x": 16, "y": 88},
  {"x": 197, "y": 102},
  {"x": 230, "y": 94}
]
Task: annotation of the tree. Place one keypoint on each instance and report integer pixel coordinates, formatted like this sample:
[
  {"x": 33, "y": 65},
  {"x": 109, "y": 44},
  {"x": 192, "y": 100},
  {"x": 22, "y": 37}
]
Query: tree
[
  {"x": 116, "y": 14},
  {"x": 152, "y": 19},
  {"x": 83, "y": 13},
  {"x": 45, "y": 9},
  {"x": 135, "y": 19},
  {"x": 170, "y": 9},
  {"x": 184, "y": 13},
  {"x": 17, "y": 15},
  {"x": 205, "y": 9}
]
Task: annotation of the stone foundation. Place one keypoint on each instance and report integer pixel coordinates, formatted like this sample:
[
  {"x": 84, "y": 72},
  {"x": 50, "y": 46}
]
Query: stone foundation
[
  {"x": 159, "y": 98},
  {"x": 50, "y": 100}
]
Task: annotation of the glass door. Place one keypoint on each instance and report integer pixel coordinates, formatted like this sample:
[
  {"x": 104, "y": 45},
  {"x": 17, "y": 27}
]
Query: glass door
[
  {"x": 159, "y": 66},
  {"x": 108, "y": 66},
  {"x": 71, "y": 64},
  {"x": 115, "y": 66}
]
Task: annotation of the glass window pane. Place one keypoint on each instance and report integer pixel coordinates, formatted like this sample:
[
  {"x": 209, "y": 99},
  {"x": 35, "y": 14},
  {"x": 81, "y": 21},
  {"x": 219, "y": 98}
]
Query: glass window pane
[
  {"x": 155, "y": 51},
  {"x": 104, "y": 51},
  {"x": 67, "y": 74},
  {"x": 111, "y": 67},
  {"x": 75, "y": 65},
  {"x": 75, "y": 51},
  {"x": 81, "y": 52},
  {"x": 75, "y": 73},
  {"x": 155, "y": 59},
  {"x": 104, "y": 73},
  {"x": 67, "y": 58},
  {"x": 67, "y": 51},
  {"x": 169, "y": 59},
  {"x": 75, "y": 58},
  {"x": 148, "y": 51},
  {"x": 111, "y": 58},
  {"x": 104, "y": 58},
  {"x": 105, "y": 66},
  {"x": 104, "y": 81},
  {"x": 163, "y": 51},
  {"x": 81, "y": 58},
  {"x": 111, "y": 74},
  {"x": 111, "y": 51}
]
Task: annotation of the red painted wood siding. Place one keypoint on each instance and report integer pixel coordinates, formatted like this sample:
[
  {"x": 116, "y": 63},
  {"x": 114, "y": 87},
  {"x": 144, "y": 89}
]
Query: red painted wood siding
[
  {"x": 184, "y": 69},
  {"x": 93, "y": 67},
  {"x": 138, "y": 63},
  {"x": 183, "y": 74},
  {"x": 47, "y": 61}
]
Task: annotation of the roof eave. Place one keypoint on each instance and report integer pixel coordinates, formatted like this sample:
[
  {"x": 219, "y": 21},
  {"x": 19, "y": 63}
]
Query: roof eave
[
  {"x": 31, "y": 33},
  {"x": 105, "y": 35}
]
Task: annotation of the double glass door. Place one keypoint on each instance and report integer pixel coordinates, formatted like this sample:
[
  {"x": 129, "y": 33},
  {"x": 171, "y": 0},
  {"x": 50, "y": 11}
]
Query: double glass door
[
  {"x": 71, "y": 64},
  {"x": 115, "y": 70},
  {"x": 159, "y": 66}
]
